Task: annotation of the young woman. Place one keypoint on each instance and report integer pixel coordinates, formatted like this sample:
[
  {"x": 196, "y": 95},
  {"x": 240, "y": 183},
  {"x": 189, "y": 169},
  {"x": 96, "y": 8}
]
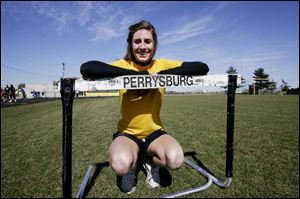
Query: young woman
[{"x": 140, "y": 129}]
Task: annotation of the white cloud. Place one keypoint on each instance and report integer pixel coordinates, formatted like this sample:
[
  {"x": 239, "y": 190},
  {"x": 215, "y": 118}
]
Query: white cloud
[
  {"x": 104, "y": 20},
  {"x": 59, "y": 15},
  {"x": 85, "y": 12},
  {"x": 102, "y": 31},
  {"x": 265, "y": 56},
  {"x": 188, "y": 30},
  {"x": 194, "y": 26},
  {"x": 108, "y": 21}
]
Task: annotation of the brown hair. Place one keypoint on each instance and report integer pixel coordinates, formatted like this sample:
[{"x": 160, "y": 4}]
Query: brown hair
[{"x": 132, "y": 29}]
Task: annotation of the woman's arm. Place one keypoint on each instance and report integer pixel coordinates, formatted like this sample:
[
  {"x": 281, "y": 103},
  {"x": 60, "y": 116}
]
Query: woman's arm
[
  {"x": 188, "y": 68},
  {"x": 97, "y": 69}
]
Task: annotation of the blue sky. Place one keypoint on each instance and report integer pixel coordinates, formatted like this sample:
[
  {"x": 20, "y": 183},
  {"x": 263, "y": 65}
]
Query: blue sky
[{"x": 37, "y": 37}]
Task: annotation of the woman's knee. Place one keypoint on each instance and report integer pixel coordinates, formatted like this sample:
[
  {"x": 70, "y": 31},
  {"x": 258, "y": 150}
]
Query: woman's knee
[
  {"x": 167, "y": 152},
  {"x": 123, "y": 155},
  {"x": 174, "y": 159},
  {"x": 121, "y": 163}
]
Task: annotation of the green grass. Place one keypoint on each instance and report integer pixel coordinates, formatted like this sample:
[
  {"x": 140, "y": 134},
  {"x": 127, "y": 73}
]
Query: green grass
[{"x": 266, "y": 146}]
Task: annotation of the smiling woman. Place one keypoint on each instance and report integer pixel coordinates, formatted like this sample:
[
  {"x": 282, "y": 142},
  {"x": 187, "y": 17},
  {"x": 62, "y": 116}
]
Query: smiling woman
[
  {"x": 143, "y": 46},
  {"x": 141, "y": 137},
  {"x": 142, "y": 43}
]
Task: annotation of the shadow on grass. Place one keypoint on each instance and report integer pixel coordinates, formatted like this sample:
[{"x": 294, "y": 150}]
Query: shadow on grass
[
  {"x": 99, "y": 167},
  {"x": 193, "y": 154}
]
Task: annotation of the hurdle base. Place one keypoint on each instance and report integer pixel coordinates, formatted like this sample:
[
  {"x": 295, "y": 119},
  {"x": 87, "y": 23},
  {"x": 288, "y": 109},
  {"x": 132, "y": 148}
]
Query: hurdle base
[
  {"x": 210, "y": 180},
  {"x": 85, "y": 182}
]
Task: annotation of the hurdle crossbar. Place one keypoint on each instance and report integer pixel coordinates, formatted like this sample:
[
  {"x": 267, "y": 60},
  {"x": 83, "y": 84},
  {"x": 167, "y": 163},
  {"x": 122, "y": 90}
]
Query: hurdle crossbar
[{"x": 68, "y": 87}]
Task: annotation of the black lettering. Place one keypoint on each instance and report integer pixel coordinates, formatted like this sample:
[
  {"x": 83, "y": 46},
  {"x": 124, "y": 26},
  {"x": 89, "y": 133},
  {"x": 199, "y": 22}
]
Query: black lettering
[
  {"x": 148, "y": 81},
  {"x": 155, "y": 78},
  {"x": 141, "y": 82},
  {"x": 182, "y": 81},
  {"x": 189, "y": 80},
  {"x": 175, "y": 83},
  {"x": 126, "y": 81},
  {"x": 162, "y": 82},
  {"x": 133, "y": 82},
  {"x": 169, "y": 80}
]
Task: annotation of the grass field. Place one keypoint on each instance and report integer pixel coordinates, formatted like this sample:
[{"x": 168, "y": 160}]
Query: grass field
[{"x": 266, "y": 146}]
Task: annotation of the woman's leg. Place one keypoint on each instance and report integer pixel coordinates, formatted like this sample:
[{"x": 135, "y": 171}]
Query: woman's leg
[
  {"x": 167, "y": 152},
  {"x": 123, "y": 155}
]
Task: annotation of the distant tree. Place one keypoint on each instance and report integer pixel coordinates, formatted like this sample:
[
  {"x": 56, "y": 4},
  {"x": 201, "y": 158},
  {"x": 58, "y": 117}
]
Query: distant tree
[
  {"x": 260, "y": 73},
  {"x": 284, "y": 87},
  {"x": 243, "y": 81},
  {"x": 271, "y": 86},
  {"x": 262, "y": 81},
  {"x": 232, "y": 71},
  {"x": 293, "y": 91}
]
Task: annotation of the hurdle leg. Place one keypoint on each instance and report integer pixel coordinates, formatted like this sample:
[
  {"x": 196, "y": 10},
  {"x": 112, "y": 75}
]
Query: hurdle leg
[
  {"x": 192, "y": 190},
  {"x": 85, "y": 182},
  {"x": 232, "y": 83},
  {"x": 67, "y": 96}
]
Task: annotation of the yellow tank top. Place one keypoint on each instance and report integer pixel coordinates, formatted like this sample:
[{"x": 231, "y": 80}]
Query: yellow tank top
[{"x": 140, "y": 109}]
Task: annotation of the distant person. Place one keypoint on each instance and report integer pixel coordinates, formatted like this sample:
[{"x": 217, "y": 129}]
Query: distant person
[
  {"x": 23, "y": 93},
  {"x": 140, "y": 129},
  {"x": 34, "y": 94},
  {"x": 6, "y": 93},
  {"x": 2, "y": 94},
  {"x": 12, "y": 93}
]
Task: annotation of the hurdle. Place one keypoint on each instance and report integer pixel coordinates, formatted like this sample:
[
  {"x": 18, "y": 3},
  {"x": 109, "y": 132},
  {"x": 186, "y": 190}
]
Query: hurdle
[{"x": 67, "y": 90}]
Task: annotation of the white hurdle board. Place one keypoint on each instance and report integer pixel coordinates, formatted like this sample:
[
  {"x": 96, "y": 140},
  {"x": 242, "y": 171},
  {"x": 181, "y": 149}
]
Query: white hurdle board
[{"x": 152, "y": 81}]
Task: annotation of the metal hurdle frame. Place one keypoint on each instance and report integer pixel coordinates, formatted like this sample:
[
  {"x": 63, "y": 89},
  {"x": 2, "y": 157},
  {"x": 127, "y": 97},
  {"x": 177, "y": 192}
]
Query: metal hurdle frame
[
  {"x": 232, "y": 84},
  {"x": 67, "y": 90}
]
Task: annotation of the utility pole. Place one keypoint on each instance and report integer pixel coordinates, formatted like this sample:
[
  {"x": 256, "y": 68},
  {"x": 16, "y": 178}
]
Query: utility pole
[
  {"x": 63, "y": 74},
  {"x": 273, "y": 75}
]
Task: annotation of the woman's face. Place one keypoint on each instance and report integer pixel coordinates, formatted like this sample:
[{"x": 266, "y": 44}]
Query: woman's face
[{"x": 143, "y": 46}]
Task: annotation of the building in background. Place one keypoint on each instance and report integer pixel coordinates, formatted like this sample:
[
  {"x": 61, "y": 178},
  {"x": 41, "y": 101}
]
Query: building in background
[{"x": 45, "y": 90}]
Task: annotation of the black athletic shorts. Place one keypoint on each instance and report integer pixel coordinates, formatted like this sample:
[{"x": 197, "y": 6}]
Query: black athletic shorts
[{"x": 143, "y": 145}]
